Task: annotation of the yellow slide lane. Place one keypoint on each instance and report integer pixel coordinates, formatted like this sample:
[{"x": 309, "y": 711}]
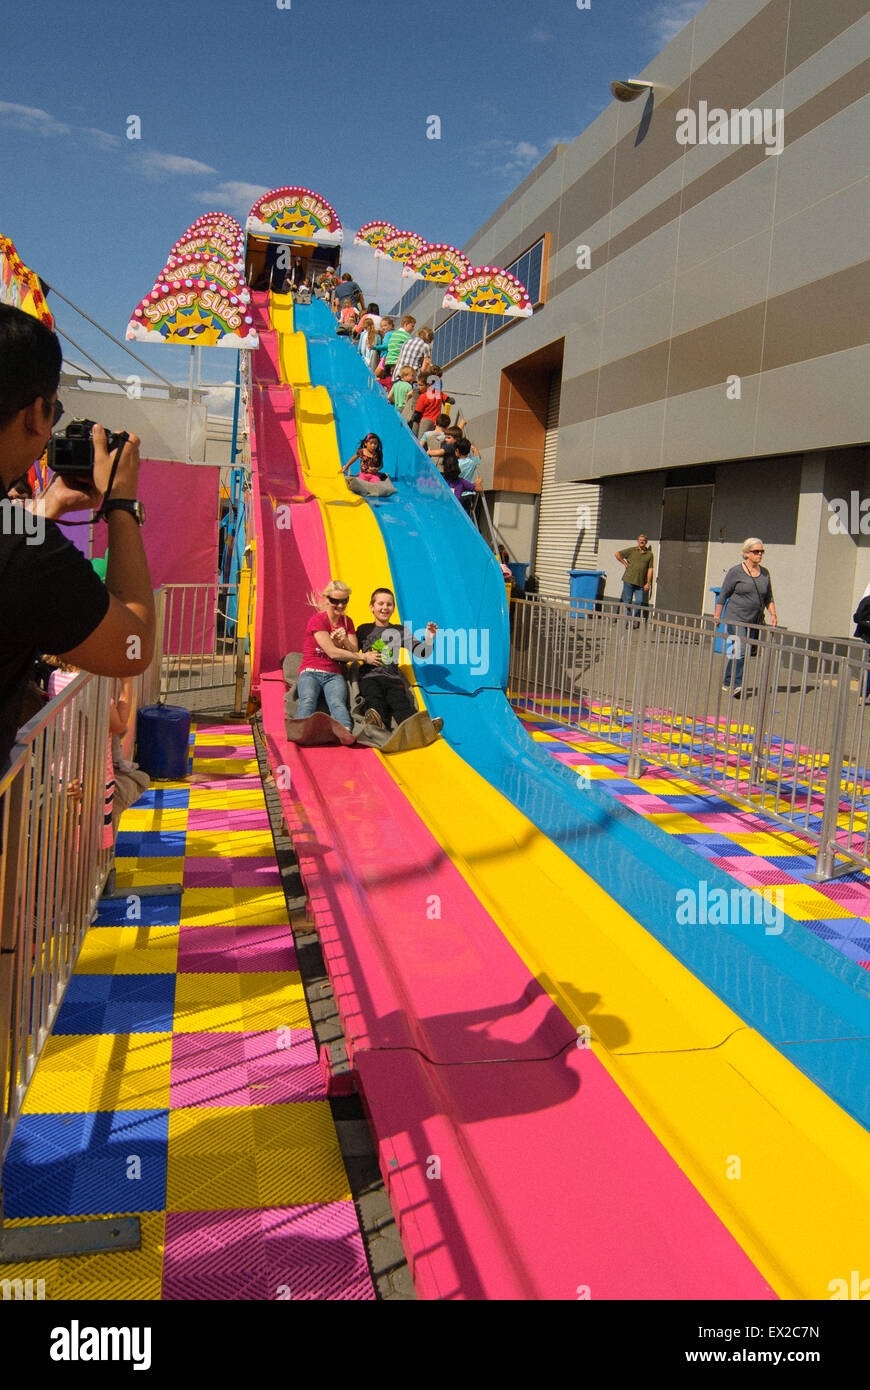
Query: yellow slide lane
[{"x": 782, "y": 1165}]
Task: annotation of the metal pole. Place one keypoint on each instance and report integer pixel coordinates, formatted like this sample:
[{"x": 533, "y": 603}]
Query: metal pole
[
  {"x": 827, "y": 831},
  {"x": 236, "y": 409},
  {"x": 190, "y": 405}
]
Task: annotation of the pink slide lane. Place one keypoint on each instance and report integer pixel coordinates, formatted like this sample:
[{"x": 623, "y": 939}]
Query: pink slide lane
[
  {"x": 548, "y": 1185},
  {"x": 289, "y": 563}
]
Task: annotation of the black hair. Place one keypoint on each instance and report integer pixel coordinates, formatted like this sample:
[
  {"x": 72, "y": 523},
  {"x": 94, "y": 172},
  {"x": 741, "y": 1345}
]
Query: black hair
[
  {"x": 381, "y": 590},
  {"x": 30, "y": 359},
  {"x": 373, "y": 309},
  {"x": 451, "y": 471},
  {"x": 463, "y": 448},
  {"x": 379, "y": 449},
  {"x": 442, "y": 421}
]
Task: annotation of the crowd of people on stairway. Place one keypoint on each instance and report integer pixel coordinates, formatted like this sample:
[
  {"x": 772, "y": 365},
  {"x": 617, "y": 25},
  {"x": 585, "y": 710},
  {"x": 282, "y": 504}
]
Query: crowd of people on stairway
[{"x": 400, "y": 358}]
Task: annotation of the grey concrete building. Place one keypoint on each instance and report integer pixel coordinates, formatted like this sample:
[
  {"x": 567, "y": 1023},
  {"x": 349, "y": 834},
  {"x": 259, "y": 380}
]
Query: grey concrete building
[{"x": 697, "y": 363}]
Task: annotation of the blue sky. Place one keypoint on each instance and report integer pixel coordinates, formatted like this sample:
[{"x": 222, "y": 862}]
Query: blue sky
[{"x": 238, "y": 97}]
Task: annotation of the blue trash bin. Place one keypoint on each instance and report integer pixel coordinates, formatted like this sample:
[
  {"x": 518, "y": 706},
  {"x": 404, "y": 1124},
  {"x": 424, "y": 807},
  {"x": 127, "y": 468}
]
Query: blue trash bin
[
  {"x": 587, "y": 586},
  {"x": 163, "y": 742},
  {"x": 519, "y": 572}
]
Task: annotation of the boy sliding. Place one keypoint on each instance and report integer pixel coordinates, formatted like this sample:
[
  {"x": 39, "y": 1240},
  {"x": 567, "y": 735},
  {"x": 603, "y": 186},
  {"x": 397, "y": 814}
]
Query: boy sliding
[{"x": 383, "y": 687}]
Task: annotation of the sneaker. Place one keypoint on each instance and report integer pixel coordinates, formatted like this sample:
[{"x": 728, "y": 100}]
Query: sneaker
[
  {"x": 372, "y": 717},
  {"x": 737, "y": 692},
  {"x": 726, "y": 689}
]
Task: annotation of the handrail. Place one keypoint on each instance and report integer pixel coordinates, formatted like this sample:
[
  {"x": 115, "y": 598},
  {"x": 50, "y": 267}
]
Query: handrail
[{"x": 794, "y": 742}]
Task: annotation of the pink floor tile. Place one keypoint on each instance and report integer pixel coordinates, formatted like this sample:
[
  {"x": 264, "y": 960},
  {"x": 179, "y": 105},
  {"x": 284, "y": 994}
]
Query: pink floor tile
[
  {"x": 644, "y": 802},
  {"x": 283, "y": 1253},
  {"x": 273, "y": 1068},
  {"x": 239, "y": 784},
  {"x": 218, "y": 819},
  {"x": 754, "y": 872},
  {"x": 855, "y": 896},
  {"x": 215, "y": 950},
  {"x": 239, "y": 871}
]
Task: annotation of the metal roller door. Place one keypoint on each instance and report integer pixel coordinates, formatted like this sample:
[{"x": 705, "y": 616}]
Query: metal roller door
[{"x": 567, "y": 536}]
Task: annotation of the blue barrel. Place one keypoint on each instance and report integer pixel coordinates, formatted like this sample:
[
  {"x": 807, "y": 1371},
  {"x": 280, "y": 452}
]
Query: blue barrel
[
  {"x": 163, "y": 742},
  {"x": 586, "y": 587},
  {"x": 519, "y": 572}
]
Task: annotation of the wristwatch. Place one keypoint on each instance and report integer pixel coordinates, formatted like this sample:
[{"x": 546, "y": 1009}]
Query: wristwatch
[{"x": 124, "y": 504}]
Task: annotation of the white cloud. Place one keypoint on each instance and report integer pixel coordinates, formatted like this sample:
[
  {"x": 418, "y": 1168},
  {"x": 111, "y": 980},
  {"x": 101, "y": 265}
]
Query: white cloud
[
  {"x": 667, "y": 20},
  {"x": 102, "y": 138},
  {"x": 504, "y": 156},
  {"x": 155, "y": 165},
  {"x": 31, "y": 118},
  {"x": 235, "y": 197},
  {"x": 221, "y": 400}
]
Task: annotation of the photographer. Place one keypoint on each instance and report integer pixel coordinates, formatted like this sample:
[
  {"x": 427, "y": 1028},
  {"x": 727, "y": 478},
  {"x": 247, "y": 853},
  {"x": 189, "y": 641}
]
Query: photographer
[{"x": 52, "y": 598}]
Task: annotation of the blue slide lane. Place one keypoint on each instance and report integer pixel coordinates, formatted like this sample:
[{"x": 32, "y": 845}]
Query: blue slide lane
[{"x": 805, "y": 998}]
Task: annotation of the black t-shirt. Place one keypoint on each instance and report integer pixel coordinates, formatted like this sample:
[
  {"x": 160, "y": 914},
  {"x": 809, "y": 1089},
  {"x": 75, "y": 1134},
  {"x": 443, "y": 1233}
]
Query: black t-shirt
[
  {"x": 51, "y": 599},
  {"x": 392, "y": 635}
]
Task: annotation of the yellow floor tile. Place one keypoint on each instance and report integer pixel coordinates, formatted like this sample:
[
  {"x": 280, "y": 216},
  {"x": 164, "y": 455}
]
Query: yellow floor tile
[
  {"x": 250, "y": 1002},
  {"x": 267, "y": 1156},
  {"x": 226, "y": 767},
  {"x": 147, "y": 872},
  {"x": 218, "y": 798},
  {"x": 154, "y": 818},
  {"x": 677, "y": 823},
  {"x": 764, "y": 842},
  {"x": 131, "y": 1275},
  {"x": 109, "y": 1071},
  {"x": 803, "y": 901},
  {"x": 228, "y": 843},
  {"x": 135, "y": 950},
  {"x": 202, "y": 907}
]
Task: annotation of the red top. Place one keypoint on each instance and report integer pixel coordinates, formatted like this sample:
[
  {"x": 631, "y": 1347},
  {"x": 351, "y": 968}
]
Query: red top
[
  {"x": 429, "y": 404},
  {"x": 313, "y": 659}
]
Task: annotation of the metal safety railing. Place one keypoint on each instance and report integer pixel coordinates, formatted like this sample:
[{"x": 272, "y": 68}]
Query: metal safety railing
[
  {"x": 204, "y": 634},
  {"x": 53, "y": 865},
  {"x": 772, "y": 719}
]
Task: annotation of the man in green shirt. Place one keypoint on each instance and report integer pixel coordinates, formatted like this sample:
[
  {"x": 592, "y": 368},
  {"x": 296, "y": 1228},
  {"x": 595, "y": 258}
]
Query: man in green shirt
[{"x": 637, "y": 576}]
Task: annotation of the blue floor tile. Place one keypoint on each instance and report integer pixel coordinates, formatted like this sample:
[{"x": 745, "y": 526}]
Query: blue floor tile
[
  {"x": 148, "y": 844},
  {"x": 159, "y": 911},
  {"x": 117, "y": 1004},
  {"x": 80, "y": 1165},
  {"x": 166, "y": 797}
]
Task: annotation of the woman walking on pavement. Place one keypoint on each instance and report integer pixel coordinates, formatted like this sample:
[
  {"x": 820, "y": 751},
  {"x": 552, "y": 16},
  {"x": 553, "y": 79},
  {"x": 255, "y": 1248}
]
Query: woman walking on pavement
[{"x": 747, "y": 590}]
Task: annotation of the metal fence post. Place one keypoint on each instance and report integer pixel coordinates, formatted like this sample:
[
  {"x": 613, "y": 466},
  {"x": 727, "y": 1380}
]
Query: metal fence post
[
  {"x": 828, "y": 831},
  {"x": 638, "y": 698}
]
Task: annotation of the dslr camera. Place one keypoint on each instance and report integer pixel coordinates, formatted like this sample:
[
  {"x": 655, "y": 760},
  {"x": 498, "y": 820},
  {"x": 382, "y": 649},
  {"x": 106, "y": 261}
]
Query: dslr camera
[{"x": 71, "y": 451}]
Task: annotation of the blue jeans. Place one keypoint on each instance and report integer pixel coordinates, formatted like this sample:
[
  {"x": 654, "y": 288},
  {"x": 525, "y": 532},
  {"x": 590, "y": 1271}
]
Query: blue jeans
[
  {"x": 635, "y": 594},
  {"x": 740, "y": 638},
  {"x": 334, "y": 687}
]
